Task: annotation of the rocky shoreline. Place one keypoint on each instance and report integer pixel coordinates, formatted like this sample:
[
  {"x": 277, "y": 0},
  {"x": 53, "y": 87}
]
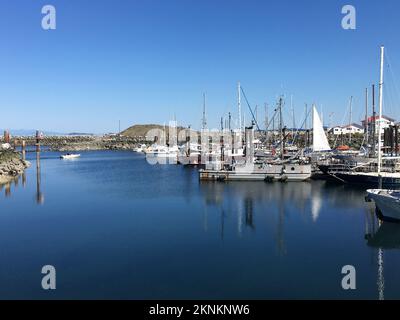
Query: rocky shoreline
[
  {"x": 11, "y": 165},
  {"x": 83, "y": 143}
]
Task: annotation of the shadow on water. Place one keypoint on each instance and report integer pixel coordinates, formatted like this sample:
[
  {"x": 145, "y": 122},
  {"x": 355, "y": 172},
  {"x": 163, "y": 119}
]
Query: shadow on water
[
  {"x": 387, "y": 236},
  {"x": 22, "y": 179}
]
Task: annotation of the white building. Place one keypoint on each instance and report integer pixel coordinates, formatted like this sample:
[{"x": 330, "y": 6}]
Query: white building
[
  {"x": 350, "y": 128},
  {"x": 384, "y": 121}
]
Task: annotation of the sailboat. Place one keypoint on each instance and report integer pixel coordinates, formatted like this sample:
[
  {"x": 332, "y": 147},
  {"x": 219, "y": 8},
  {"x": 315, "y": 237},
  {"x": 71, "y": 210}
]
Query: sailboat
[
  {"x": 372, "y": 173},
  {"x": 320, "y": 141}
]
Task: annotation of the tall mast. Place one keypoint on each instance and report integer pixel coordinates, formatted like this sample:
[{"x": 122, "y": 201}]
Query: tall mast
[
  {"x": 240, "y": 113},
  {"x": 366, "y": 118},
  {"x": 380, "y": 112},
  {"x": 204, "y": 120},
  {"x": 306, "y": 120},
  {"x": 322, "y": 114},
  {"x": 351, "y": 116},
  {"x": 280, "y": 127},
  {"x": 273, "y": 127},
  {"x": 373, "y": 122},
  {"x": 266, "y": 122},
  {"x": 306, "y": 127},
  {"x": 292, "y": 109}
]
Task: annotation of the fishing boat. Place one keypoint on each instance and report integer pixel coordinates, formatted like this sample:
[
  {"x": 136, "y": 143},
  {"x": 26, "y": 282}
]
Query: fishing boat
[
  {"x": 387, "y": 203},
  {"x": 69, "y": 156},
  {"x": 277, "y": 170},
  {"x": 264, "y": 172}
]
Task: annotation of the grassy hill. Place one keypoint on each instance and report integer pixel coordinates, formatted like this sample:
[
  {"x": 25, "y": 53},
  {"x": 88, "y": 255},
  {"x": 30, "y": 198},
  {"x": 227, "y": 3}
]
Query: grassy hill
[{"x": 140, "y": 130}]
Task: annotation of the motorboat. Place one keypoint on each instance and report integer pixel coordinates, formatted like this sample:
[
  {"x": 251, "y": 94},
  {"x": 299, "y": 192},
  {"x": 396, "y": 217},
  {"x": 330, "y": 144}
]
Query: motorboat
[
  {"x": 69, "y": 156},
  {"x": 387, "y": 203}
]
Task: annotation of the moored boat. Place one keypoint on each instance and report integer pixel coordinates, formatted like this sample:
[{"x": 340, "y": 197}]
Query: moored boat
[
  {"x": 387, "y": 203},
  {"x": 69, "y": 156}
]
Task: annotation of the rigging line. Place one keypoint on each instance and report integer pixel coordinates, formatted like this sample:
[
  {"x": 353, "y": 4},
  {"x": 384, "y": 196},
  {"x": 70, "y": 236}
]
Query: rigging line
[
  {"x": 275, "y": 114},
  {"x": 392, "y": 74},
  {"x": 392, "y": 93},
  {"x": 251, "y": 111},
  {"x": 344, "y": 117},
  {"x": 390, "y": 100},
  {"x": 301, "y": 127},
  {"x": 390, "y": 67},
  {"x": 272, "y": 118}
]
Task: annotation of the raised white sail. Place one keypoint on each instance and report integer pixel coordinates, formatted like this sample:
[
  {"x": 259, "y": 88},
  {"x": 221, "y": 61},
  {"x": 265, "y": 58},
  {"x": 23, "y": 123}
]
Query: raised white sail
[{"x": 320, "y": 141}]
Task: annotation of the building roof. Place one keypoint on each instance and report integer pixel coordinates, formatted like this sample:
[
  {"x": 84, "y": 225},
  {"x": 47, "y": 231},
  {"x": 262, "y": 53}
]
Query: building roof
[
  {"x": 355, "y": 125},
  {"x": 370, "y": 119}
]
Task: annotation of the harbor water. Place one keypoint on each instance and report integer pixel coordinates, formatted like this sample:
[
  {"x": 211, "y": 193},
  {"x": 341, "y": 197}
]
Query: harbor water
[{"x": 116, "y": 227}]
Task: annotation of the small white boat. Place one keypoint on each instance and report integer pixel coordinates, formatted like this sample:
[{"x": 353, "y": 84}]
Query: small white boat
[
  {"x": 140, "y": 149},
  {"x": 387, "y": 203},
  {"x": 163, "y": 151},
  {"x": 69, "y": 156}
]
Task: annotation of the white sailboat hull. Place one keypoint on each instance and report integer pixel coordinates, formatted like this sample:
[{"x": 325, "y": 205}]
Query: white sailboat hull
[{"x": 387, "y": 203}]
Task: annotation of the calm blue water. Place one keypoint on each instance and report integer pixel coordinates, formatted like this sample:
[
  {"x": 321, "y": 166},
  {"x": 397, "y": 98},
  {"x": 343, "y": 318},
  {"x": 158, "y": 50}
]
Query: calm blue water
[{"x": 116, "y": 227}]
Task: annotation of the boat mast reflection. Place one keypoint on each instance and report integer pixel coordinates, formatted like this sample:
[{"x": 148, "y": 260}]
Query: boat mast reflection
[
  {"x": 385, "y": 237},
  {"x": 39, "y": 194}
]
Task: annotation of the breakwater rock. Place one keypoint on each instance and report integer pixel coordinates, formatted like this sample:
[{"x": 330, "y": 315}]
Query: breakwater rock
[
  {"x": 82, "y": 143},
  {"x": 11, "y": 165}
]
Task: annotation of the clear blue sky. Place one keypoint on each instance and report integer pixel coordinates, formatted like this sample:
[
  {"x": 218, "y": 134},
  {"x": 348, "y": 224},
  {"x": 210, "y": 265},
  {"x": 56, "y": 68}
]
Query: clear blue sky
[{"x": 144, "y": 61}]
